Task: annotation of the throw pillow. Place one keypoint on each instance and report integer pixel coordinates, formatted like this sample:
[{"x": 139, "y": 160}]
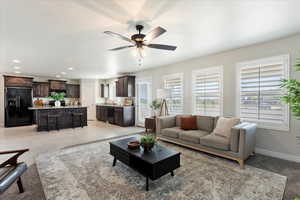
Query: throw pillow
[
  {"x": 178, "y": 118},
  {"x": 224, "y": 125},
  {"x": 188, "y": 123}
]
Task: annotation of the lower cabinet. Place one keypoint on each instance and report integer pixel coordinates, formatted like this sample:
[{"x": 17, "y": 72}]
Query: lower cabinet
[
  {"x": 121, "y": 116},
  {"x": 101, "y": 113}
]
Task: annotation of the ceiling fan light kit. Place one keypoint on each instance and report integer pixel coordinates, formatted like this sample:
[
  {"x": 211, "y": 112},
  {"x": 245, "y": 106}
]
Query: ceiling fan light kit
[{"x": 140, "y": 40}]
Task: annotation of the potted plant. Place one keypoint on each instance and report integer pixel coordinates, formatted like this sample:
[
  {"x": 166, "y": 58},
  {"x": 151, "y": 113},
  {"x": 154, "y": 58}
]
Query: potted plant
[
  {"x": 292, "y": 94},
  {"x": 155, "y": 105},
  {"x": 147, "y": 142},
  {"x": 57, "y": 97}
]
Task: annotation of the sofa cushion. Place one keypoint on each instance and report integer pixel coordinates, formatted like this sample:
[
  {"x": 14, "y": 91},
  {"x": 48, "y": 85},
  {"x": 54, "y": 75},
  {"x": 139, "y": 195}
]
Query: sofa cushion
[
  {"x": 192, "y": 136},
  {"x": 178, "y": 120},
  {"x": 205, "y": 123},
  {"x": 215, "y": 141},
  {"x": 171, "y": 132},
  {"x": 224, "y": 125},
  {"x": 188, "y": 123}
]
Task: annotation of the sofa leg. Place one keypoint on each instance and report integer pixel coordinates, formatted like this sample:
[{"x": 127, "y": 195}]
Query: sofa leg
[
  {"x": 242, "y": 165},
  {"x": 20, "y": 185}
]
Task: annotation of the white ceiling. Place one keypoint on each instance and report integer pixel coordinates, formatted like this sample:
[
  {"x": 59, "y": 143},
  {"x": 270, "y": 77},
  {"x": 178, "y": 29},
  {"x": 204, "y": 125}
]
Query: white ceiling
[{"x": 48, "y": 36}]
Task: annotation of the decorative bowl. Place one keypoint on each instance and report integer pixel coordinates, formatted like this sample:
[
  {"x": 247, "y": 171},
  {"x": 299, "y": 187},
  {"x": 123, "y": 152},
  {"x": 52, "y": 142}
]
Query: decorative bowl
[{"x": 133, "y": 145}]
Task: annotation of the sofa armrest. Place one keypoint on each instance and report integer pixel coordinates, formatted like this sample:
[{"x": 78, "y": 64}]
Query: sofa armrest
[
  {"x": 247, "y": 140},
  {"x": 164, "y": 122},
  {"x": 235, "y": 137}
]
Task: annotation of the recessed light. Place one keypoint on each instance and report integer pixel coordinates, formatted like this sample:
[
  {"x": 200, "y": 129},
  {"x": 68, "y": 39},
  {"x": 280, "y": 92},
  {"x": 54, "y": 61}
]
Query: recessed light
[
  {"x": 17, "y": 72},
  {"x": 70, "y": 68},
  {"x": 57, "y": 76},
  {"x": 17, "y": 67},
  {"x": 16, "y": 61},
  {"x": 63, "y": 73}
]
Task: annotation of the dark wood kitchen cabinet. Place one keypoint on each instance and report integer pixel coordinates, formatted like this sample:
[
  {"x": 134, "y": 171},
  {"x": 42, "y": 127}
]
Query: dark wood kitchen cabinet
[
  {"x": 125, "y": 116},
  {"x": 40, "y": 89},
  {"x": 73, "y": 91},
  {"x": 125, "y": 86},
  {"x": 15, "y": 81},
  {"x": 57, "y": 85},
  {"x": 119, "y": 115},
  {"x": 101, "y": 113}
]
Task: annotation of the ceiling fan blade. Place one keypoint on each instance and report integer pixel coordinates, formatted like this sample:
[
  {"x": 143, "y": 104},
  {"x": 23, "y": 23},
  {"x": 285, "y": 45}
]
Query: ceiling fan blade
[
  {"x": 123, "y": 47},
  {"x": 162, "y": 46},
  {"x": 119, "y": 36},
  {"x": 154, "y": 34}
]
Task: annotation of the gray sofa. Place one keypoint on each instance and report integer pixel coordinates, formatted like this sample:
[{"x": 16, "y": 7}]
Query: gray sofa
[{"x": 239, "y": 146}]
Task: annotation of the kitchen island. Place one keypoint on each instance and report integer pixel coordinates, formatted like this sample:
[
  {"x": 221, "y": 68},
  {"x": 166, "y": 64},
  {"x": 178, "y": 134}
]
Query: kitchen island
[{"x": 55, "y": 118}]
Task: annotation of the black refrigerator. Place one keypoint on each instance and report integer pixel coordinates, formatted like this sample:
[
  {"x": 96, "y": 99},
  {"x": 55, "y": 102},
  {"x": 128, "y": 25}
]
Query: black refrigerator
[{"x": 17, "y": 101}]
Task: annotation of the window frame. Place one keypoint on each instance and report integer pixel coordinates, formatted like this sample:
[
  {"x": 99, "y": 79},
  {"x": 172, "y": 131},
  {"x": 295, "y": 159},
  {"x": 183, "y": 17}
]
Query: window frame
[
  {"x": 220, "y": 69},
  {"x": 285, "y": 59},
  {"x": 172, "y": 76}
]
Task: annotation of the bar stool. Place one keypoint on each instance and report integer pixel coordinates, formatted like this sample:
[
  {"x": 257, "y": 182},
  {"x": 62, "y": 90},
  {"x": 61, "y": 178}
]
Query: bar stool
[
  {"x": 80, "y": 115},
  {"x": 53, "y": 116}
]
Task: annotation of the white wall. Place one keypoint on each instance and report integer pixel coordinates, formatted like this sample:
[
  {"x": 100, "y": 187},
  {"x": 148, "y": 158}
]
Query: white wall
[{"x": 268, "y": 141}]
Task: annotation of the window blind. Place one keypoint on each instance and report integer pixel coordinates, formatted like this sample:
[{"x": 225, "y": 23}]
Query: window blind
[
  {"x": 207, "y": 91},
  {"x": 175, "y": 84},
  {"x": 260, "y": 92}
]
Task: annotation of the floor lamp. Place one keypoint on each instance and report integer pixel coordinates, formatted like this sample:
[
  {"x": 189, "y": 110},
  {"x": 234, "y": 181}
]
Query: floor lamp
[{"x": 163, "y": 94}]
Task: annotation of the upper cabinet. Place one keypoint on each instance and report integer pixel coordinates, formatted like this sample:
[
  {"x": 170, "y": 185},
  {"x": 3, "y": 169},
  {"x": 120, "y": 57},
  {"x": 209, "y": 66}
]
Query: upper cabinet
[
  {"x": 73, "y": 91},
  {"x": 40, "y": 89},
  {"x": 125, "y": 86},
  {"x": 14, "y": 81},
  {"x": 57, "y": 85}
]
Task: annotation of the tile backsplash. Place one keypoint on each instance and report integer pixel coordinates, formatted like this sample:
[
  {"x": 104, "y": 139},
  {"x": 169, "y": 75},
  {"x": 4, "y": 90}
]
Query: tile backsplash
[{"x": 46, "y": 100}]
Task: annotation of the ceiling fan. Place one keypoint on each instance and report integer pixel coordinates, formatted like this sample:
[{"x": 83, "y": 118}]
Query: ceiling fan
[{"x": 140, "y": 40}]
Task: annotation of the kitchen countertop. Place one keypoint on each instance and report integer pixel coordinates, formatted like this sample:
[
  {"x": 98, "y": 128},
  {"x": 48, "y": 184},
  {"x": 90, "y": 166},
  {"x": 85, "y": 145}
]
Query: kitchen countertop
[
  {"x": 112, "y": 105},
  {"x": 53, "y": 107}
]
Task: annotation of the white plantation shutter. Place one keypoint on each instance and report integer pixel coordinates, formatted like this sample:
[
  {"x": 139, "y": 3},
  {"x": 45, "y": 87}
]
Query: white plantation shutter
[
  {"x": 174, "y": 83},
  {"x": 208, "y": 91},
  {"x": 260, "y": 92}
]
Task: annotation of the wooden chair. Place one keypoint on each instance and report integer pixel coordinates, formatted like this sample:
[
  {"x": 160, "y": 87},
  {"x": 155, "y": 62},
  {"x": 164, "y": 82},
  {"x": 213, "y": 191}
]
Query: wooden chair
[{"x": 11, "y": 170}]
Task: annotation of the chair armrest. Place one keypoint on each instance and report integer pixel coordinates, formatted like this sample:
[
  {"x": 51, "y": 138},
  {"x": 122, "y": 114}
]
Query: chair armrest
[
  {"x": 14, "y": 151},
  {"x": 165, "y": 122},
  {"x": 247, "y": 140},
  {"x": 14, "y": 159}
]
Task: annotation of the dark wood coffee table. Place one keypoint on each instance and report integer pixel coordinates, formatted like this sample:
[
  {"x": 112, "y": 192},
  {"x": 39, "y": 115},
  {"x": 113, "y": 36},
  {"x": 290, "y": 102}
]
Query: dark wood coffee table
[{"x": 154, "y": 164}]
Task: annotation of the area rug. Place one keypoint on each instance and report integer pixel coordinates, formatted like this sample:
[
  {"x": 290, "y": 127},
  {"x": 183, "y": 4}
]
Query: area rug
[{"x": 85, "y": 173}]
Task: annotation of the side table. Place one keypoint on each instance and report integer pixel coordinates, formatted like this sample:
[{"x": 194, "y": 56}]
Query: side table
[{"x": 150, "y": 124}]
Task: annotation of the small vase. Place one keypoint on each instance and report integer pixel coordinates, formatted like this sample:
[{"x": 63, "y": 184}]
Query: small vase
[{"x": 57, "y": 103}]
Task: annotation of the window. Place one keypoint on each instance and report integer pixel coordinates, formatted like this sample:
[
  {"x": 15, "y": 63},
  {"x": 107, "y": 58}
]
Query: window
[
  {"x": 174, "y": 83},
  {"x": 259, "y": 92},
  {"x": 144, "y": 97},
  {"x": 207, "y": 91}
]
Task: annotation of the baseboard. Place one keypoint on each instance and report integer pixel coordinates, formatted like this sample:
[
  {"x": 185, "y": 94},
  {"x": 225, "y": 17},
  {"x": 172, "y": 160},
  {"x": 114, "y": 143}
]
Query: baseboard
[{"x": 283, "y": 156}]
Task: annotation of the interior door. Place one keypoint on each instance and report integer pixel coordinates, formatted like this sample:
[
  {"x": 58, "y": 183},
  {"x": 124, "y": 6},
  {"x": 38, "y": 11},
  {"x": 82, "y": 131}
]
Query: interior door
[
  {"x": 88, "y": 90},
  {"x": 144, "y": 98}
]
